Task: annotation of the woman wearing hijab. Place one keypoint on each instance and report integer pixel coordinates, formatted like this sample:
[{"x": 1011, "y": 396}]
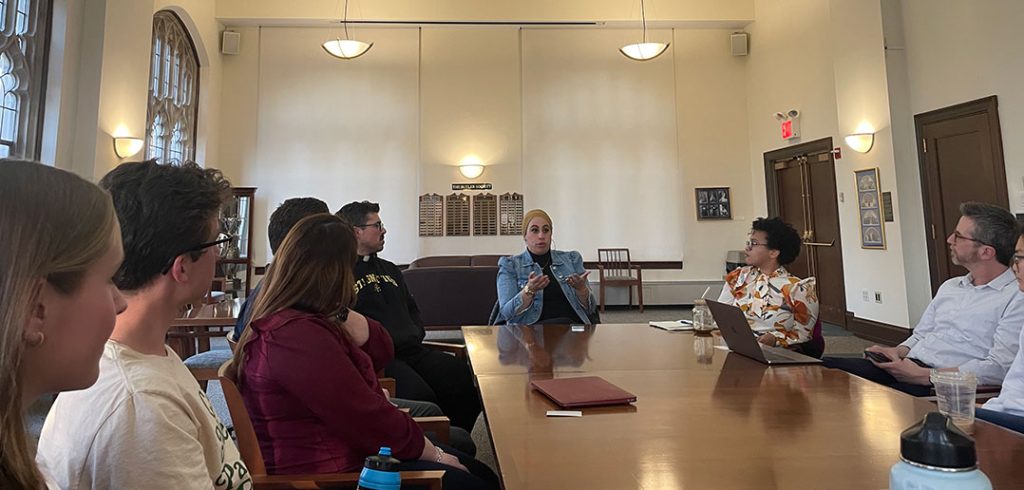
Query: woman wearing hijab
[{"x": 543, "y": 285}]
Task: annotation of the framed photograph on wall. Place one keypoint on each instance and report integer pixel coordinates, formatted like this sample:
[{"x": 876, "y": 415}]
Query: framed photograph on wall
[
  {"x": 713, "y": 203},
  {"x": 869, "y": 199}
]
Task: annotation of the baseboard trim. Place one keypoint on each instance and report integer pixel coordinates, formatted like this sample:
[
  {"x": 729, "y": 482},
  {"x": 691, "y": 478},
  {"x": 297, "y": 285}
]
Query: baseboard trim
[{"x": 876, "y": 331}]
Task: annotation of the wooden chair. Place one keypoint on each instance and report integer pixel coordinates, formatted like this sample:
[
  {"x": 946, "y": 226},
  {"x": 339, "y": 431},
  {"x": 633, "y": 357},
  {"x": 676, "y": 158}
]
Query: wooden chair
[
  {"x": 249, "y": 448},
  {"x": 206, "y": 366},
  {"x": 615, "y": 269}
]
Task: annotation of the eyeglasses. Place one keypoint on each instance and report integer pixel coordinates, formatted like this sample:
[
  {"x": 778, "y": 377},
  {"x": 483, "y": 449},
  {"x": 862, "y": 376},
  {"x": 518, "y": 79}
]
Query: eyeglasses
[
  {"x": 957, "y": 237},
  {"x": 753, "y": 243},
  {"x": 378, "y": 225},
  {"x": 219, "y": 243}
]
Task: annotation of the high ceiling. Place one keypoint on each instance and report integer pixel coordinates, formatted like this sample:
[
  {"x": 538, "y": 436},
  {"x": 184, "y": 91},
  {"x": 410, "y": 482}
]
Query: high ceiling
[{"x": 618, "y": 13}]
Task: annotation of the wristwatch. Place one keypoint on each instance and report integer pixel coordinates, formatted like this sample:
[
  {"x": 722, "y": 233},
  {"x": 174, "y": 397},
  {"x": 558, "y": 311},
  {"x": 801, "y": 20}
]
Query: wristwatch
[{"x": 528, "y": 291}]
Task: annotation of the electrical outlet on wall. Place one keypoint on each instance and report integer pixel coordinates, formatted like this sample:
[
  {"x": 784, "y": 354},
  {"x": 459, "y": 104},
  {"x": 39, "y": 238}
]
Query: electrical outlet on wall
[
  {"x": 864, "y": 294},
  {"x": 878, "y": 296}
]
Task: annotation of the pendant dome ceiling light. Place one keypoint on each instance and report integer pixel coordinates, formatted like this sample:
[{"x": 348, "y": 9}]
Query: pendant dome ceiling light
[
  {"x": 347, "y": 48},
  {"x": 643, "y": 50}
]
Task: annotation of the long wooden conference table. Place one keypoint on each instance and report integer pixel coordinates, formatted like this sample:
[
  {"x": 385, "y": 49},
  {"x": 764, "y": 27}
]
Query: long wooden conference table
[{"x": 704, "y": 418}]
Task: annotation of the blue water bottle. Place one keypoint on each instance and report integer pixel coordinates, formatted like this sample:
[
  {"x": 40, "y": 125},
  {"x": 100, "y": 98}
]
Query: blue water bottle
[
  {"x": 380, "y": 472},
  {"x": 936, "y": 455}
]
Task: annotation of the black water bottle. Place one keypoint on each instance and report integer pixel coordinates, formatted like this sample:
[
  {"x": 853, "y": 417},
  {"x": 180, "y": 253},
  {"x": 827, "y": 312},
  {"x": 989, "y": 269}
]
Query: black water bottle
[{"x": 380, "y": 472}]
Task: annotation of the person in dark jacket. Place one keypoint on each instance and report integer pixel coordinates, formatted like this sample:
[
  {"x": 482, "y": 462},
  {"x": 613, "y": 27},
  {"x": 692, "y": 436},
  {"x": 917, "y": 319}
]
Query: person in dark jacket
[{"x": 420, "y": 373}]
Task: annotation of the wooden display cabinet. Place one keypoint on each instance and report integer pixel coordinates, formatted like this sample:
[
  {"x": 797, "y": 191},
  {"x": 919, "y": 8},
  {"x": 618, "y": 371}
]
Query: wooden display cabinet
[{"x": 234, "y": 266}]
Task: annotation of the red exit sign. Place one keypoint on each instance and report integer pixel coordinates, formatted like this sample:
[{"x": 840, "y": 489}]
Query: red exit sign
[{"x": 787, "y": 129}]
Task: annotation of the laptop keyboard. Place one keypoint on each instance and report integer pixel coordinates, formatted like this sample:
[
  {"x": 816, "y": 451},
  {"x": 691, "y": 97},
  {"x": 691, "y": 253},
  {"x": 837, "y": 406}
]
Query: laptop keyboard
[{"x": 775, "y": 354}]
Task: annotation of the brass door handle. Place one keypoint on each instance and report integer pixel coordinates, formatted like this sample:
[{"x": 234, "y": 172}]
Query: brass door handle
[{"x": 817, "y": 244}]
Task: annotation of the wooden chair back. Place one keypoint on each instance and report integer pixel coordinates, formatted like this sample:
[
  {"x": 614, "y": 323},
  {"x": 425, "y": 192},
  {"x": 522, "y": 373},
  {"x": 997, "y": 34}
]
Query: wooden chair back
[
  {"x": 248, "y": 446},
  {"x": 615, "y": 262}
]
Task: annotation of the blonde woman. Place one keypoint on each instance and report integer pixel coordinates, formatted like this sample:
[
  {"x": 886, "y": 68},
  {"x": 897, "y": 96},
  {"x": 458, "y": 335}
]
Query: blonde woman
[
  {"x": 61, "y": 246},
  {"x": 306, "y": 366}
]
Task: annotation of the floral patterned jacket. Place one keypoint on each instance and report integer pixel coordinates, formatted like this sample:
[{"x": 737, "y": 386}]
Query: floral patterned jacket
[{"x": 780, "y": 302}]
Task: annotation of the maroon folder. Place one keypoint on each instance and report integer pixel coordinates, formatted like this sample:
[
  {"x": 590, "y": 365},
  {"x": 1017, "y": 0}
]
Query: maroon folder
[{"x": 588, "y": 391}]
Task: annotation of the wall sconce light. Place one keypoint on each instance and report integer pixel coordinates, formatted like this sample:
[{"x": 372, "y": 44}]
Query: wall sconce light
[
  {"x": 860, "y": 142},
  {"x": 126, "y": 147},
  {"x": 471, "y": 170},
  {"x": 471, "y": 167}
]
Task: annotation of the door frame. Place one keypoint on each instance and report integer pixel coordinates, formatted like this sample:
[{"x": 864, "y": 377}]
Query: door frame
[
  {"x": 816, "y": 147},
  {"x": 771, "y": 184},
  {"x": 986, "y": 105}
]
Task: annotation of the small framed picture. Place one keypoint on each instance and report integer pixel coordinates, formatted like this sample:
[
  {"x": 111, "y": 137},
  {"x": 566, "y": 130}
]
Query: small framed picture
[
  {"x": 713, "y": 203},
  {"x": 872, "y": 229}
]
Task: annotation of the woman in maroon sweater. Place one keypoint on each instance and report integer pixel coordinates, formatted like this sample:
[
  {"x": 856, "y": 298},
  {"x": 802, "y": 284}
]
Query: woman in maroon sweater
[{"x": 306, "y": 369}]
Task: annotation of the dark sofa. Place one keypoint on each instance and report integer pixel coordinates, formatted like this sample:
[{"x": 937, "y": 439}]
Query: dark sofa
[{"x": 451, "y": 292}]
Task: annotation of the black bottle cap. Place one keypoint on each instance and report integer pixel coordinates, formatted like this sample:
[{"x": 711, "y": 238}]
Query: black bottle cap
[
  {"x": 937, "y": 442},
  {"x": 382, "y": 461}
]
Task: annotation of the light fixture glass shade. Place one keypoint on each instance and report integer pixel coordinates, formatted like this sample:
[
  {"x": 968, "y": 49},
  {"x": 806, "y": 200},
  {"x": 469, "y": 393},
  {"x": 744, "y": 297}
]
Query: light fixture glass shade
[
  {"x": 126, "y": 147},
  {"x": 643, "y": 51},
  {"x": 860, "y": 142},
  {"x": 346, "y": 49},
  {"x": 471, "y": 171}
]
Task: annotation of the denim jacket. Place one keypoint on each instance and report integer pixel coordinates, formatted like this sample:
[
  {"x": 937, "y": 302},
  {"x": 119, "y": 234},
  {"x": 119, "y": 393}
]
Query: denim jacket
[{"x": 513, "y": 272}]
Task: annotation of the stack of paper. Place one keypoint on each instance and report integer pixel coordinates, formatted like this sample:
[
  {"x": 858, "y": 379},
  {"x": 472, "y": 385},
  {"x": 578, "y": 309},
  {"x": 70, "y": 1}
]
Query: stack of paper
[{"x": 673, "y": 326}]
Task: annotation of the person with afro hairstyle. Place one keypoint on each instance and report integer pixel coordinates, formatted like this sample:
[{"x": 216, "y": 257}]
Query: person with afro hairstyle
[{"x": 780, "y": 307}]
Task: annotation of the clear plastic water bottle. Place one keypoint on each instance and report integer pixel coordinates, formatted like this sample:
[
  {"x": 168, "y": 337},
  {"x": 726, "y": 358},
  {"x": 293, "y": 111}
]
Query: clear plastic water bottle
[
  {"x": 937, "y": 455},
  {"x": 702, "y": 320},
  {"x": 380, "y": 472}
]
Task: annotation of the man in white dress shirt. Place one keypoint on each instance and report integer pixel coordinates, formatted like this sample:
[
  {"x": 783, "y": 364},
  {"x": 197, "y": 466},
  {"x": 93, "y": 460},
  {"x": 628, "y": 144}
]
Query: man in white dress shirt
[{"x": 974, "y": 322}]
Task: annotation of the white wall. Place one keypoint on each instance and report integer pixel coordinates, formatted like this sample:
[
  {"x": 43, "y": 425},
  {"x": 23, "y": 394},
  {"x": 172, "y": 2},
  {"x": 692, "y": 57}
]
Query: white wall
[
  {"x": 910, "y": 210},
  {"x": 600, "y": 144},
  {"x": 339, "y": 131},
  {"x": 472, "y": 99},
  {"x": 827, "y": 59},
  {"x": 960, "y": 51},
  {"x": 711, "y": 110},
  {"x": 862, "y": 102},
  {"x": 790, "y": 67},
  {"x": 277, "y": 11},
  {"x": 100, "y": 69},
  {"x": 470, "y": 105}
]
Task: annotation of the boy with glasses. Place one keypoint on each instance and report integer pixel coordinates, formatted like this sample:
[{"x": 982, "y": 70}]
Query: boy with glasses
[
  {"x": 973, "y": 323},
  {"x": 146, "y": 423}
]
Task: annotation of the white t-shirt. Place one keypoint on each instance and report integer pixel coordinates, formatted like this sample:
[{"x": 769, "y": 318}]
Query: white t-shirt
[{"x": 146, "y": 423}]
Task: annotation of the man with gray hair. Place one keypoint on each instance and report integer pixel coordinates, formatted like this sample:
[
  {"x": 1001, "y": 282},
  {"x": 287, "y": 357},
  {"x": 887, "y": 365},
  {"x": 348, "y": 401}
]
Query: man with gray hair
[{"x": 973, "y": 323}]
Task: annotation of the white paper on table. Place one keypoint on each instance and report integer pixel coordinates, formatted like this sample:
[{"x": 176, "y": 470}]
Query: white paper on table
[{"x": 673, "y": 326}]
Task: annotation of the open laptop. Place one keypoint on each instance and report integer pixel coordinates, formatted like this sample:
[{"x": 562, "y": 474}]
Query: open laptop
[{"x": 740, "y": 339}]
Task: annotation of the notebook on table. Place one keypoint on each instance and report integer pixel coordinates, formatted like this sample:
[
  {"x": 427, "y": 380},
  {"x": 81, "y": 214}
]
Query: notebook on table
[
  {"x": 673, "y": 326},
  {"x": 587, "y": 391}
]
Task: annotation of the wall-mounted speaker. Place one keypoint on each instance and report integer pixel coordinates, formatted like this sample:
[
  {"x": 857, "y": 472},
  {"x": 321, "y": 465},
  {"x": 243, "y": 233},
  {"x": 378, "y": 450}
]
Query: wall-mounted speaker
[
  {"x": 230, "y": 42},
  {"x": 738, "y": 43}
]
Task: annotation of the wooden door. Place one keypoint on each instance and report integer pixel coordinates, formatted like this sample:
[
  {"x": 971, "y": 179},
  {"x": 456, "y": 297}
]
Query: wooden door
[
  {"x": 960, "y": 152},
  {"x": 801, "y": 189}
]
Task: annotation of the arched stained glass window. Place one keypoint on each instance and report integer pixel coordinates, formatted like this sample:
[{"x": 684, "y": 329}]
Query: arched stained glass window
[
  {"x": 172, "y": 113},
  {"x": 24, "y": 27},
  {"x": 156, "y": 138}
]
